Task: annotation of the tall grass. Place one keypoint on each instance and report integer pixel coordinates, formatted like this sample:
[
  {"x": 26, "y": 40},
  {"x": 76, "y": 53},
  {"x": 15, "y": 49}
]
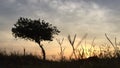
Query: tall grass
[
  {"x": 75, "y": 47},
  {"x": 104, "y": 57},
  {"x": 115, "y": 46},
  {"x": 60, "y": 42}
]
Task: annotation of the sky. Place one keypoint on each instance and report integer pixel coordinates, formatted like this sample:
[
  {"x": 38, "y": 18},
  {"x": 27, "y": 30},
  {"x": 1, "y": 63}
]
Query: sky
[{"x": 94, "y": 17}]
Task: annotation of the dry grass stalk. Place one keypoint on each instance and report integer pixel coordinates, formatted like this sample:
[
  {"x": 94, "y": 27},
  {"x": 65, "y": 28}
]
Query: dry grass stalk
[
  {"x": 72, "y": 44},
  {"x": 81, "y": 41},
  {"x": 61, "y": 48},
  {"x": 92, "y": 47},
  {"x": 109, "y": 41},
  {"x": 117, "y": 51}
]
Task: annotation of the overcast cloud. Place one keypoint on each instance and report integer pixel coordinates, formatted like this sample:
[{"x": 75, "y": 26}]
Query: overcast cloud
[{"x": 95, "y": 17}]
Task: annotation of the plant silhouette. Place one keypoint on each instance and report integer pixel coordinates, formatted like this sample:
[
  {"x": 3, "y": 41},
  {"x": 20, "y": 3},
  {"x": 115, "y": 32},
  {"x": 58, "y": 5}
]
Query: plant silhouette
[{"x": 34, "y": 30}]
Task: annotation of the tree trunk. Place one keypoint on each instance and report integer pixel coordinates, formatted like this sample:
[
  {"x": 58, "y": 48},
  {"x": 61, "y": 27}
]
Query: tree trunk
[{"x": 43, "y": 52}]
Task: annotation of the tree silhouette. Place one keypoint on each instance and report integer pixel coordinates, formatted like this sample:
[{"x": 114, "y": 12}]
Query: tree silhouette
[{"x": 34, "y": 30}]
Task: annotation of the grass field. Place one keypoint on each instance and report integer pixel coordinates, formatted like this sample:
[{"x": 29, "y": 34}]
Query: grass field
[
  {"x": 105, "y": 59},
  {"x": 30, "y": 61}
]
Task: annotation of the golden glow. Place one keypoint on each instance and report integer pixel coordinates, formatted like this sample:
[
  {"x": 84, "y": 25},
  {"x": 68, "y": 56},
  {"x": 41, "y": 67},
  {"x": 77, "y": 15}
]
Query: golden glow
[{"x": 85, "y": 49}]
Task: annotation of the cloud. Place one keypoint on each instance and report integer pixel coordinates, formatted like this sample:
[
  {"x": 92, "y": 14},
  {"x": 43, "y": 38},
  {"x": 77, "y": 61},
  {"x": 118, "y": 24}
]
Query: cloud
[
  {"x": 94, "y": 17},
  {"x": 83, "y": 15}
]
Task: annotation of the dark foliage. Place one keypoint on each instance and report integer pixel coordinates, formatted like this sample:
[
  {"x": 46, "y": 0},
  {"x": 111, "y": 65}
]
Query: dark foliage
[
  {"x": 30, "y": 61},
  {"x": 34, "y": 30}
]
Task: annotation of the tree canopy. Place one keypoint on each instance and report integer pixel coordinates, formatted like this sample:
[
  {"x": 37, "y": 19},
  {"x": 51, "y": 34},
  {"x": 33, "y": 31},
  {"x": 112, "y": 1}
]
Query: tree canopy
[{"x": 35, "y": 30}]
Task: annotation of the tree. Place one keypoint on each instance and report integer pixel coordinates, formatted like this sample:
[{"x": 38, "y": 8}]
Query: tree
[{"x": 34, "y": 30}]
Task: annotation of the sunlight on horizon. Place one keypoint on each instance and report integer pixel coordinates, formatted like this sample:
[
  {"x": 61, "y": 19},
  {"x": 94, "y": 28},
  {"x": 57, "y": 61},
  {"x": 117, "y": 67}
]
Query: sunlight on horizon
[{"x": 86, "y": 49}]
